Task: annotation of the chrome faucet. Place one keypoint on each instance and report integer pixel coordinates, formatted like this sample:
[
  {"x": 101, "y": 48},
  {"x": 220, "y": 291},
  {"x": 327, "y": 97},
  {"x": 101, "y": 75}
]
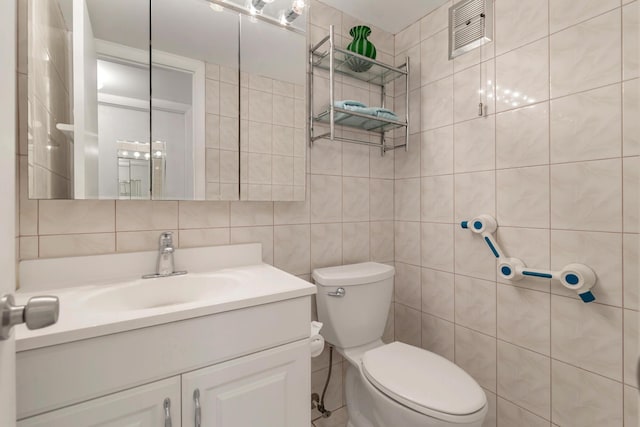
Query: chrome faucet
[{"x": 165, "y": 266}]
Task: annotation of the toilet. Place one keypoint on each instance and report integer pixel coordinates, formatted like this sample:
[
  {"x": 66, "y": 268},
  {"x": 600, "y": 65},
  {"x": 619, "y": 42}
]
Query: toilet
[{"x": 389, "y": 385}]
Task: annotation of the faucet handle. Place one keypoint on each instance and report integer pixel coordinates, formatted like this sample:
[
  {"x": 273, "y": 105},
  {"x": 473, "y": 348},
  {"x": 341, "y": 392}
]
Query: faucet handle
[{"x": 166, "y": 239}]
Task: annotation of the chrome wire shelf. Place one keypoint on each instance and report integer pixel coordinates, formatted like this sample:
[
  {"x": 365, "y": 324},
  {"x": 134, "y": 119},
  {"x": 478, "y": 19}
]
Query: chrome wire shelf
[{"x": 327, "y": 56}]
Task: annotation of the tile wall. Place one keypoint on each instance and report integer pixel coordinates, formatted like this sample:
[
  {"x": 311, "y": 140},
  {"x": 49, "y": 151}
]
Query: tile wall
[
  {"x": 556, "y": 161},
  {"x": 347, "y": 217}
]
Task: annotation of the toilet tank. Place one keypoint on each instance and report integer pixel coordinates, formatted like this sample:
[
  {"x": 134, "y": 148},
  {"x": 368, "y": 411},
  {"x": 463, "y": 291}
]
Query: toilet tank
[{"x": 358, "y": 316}]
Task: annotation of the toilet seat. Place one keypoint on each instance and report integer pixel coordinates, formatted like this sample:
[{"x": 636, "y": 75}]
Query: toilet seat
[{"x": 423, "y": 381}]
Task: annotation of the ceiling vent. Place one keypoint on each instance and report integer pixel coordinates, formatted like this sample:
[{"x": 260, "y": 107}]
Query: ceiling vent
[{"x": 470, "y": 25}]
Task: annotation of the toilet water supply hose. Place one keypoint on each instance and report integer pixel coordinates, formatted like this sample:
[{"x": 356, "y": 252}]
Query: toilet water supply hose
[
  {"x": 320, "y": 405},
  {"x": 577, "y": 277}
]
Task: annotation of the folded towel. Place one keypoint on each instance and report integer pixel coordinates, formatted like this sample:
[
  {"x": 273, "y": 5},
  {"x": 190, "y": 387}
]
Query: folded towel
[
  {"x": 349, "y": 105},
  {"x": 386, "y": 114}
]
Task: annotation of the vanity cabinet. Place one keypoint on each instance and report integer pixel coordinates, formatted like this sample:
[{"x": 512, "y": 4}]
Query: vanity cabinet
[
  {"x": 267, "y": 389},
  {"x": 150, "y": 405}
]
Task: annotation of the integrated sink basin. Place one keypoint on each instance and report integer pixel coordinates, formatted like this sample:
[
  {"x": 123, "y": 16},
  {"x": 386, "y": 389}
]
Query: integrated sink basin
[
  {"x": 105, "y": 294},
  {"x": 162, "y": 292}
]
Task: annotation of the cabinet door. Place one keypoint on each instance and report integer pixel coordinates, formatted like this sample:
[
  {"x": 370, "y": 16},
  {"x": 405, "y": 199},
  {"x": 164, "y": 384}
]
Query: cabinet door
[
  {"x": 266, "y": 389},
  {"x": 138, "y": 407}
]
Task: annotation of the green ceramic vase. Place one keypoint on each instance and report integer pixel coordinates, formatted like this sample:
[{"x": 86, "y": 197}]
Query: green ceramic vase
[{"x": 361, "y": 46}]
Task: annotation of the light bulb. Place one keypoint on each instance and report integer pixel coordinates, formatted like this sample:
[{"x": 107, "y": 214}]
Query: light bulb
[
  {"x": 136, "y": 154},
  {"x": 125, "y": 153}
]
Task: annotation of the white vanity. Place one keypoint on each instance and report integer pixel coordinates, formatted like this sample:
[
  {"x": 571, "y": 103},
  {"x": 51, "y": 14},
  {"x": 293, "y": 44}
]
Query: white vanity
[{"x": 226, "y": 345}]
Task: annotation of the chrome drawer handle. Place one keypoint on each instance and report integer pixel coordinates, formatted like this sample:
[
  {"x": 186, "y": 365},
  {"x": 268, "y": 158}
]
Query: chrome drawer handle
[
  {"x": 340, "y": 292},
  {"x": 196, "y": 399},
  {"x": 167, "y": 412}
]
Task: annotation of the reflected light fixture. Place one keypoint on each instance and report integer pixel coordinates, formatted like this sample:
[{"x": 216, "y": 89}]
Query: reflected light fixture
[
  {"x": 258, "y": 5},
  {"x": 216, "y": 7},
  {"x": 297, "y": 7}
]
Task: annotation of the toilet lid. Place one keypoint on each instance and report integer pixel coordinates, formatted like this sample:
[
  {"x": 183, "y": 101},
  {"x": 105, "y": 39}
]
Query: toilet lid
[{"x": 422, "y": 381}]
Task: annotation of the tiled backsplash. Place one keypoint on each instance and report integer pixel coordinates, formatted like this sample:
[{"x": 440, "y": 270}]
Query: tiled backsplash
[{"x": 556, "y": 162}]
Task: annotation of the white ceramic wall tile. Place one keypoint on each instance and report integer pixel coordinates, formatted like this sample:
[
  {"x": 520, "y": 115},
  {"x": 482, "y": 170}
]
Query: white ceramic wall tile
[
  {"x": 326, "y": 158},
  {"x": 251, "y": 213},
  {"x": 469, "y": 87},
  {"x": 587, "y": 196},
  {"x": 381, "y": 239},
  {"x": 519, "y": 22},
  {"x": 200, "y": 214},
  {"x": 435, "y": 52},
  {"x": 407, "y": 289},
  {"x": 630, "y": 111},
  {"x": 135, "y": 241},
  {"x": 28, "y": 247},
  {"x": 355, "y": 199},
  {"x": 475, "y": 194},
  {"x": 600, "y": 251},
  {"x": 524, "y": 318},
  {"x": 263, "y": 235},
  {"x": 438, "y": 336},
  {"x": 68, "y": 217},
  {"x": 523, "y": 197},
  {"x": 586, "y": 55},
  {"x": 326, "y": 245},
  {"x": 631, "y": 270},
  {"x": 631, "y": 194},
  {"x": 474, "y": 145},
  {"x": 587, "y": 336},
  {"x": 437, "y": 246},
  {"x": 475, "y": 304},
  {"x": 524, "y": 378},
  {"x": 355, "y": 242},
  {"x": 437, "y": 104},
  {"x": 408, "y": 325},
  {"x": 381, "y": 199},
  {"x": 437, "y": 198},
  {"x": 491, "y": 418},
  {"x": 472, "y": 257},
  {"x": 435, "y": 20},
  {"x": 630, "y": 23},
  {"x": 407, "y": 199},
  {"x": 407, "y": 242},
  {"x": 355, "y": 160},
  {"x": 580, "y": 398},
  {"x": 291, "y": 248},
  {"x": 532, "y": 247},
  {"x": 326, "y": 198},
  {"x": 631, "y": 347},
  {"x": 194, "y": 237},
  {"x": 587, "y": 125},
  {"x": 513, "y": 415},
  {"x": 438, "y": 293},
  {"x": 408, "y": 37},
  {"x": 563, "y": 13},
  {"x": 631, "y": 405},
  {"x": 522, "y": 76},
  {"x": 476, "y": 354},
  {"x": 65, "y": 245},
  {"x": 407, "y": 163},
  {"x": 437, "y": 151}
]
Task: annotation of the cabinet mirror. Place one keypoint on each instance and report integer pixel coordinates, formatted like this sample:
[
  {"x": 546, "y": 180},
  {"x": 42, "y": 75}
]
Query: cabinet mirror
[{"x": 152, "y": 99}]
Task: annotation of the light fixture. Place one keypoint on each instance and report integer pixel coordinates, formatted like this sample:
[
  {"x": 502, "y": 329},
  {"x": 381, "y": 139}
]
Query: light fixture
[
  {"x": 258, "y": 5},
  {"x": 146, "y": 156},
  {"x": 297, "y": 7},
  {"x": 136, "y": 154},
  {"x": 125, "y": 153},
  {"x": 157, "y": 154}
]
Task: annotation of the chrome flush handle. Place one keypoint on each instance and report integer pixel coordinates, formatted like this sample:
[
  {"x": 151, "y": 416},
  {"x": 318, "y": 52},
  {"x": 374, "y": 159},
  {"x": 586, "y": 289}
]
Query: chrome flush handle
[{"x": 340, "y": 292}]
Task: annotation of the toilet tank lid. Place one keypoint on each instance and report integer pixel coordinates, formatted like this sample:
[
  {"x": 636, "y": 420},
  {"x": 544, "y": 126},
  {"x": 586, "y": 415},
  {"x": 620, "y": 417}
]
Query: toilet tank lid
[{"x": 352, "y": 274}]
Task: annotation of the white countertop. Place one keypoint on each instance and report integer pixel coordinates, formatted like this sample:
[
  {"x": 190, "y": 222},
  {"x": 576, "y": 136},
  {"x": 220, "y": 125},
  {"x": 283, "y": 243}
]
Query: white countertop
[{"x": 259, "y": 284}]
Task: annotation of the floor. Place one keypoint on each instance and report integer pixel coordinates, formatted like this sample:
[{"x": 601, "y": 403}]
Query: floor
[{"x": 337, "y": 419}]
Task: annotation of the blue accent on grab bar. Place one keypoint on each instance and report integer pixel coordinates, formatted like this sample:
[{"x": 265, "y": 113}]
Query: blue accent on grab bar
[
  {"x": 505, "y": 270},
  {"x": 477, "y": 225},
  {"x": 536, "y": 274},
  {"x": 464, "y": 224},
  {"x": 587, "y": 296},
  {"x": 493, "y": 249},
  {"x": 572, "y": 279}
]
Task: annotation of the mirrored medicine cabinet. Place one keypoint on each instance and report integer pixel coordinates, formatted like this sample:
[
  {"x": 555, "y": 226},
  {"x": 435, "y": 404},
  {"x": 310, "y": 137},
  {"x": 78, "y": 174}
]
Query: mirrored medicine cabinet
[{"x": 166, "y": 100}]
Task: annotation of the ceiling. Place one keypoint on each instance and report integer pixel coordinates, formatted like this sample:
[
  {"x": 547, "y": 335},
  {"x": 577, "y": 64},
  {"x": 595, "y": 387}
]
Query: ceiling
[{"x": 391, "y": 16}]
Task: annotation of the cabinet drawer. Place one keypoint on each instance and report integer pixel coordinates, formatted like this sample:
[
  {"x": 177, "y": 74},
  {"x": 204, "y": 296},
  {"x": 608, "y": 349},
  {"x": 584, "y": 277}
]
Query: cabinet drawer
[{"x": 142, "y": 406}]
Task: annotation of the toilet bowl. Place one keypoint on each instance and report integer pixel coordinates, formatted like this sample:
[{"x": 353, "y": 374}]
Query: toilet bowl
[{"x": 396, "y": 384}]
